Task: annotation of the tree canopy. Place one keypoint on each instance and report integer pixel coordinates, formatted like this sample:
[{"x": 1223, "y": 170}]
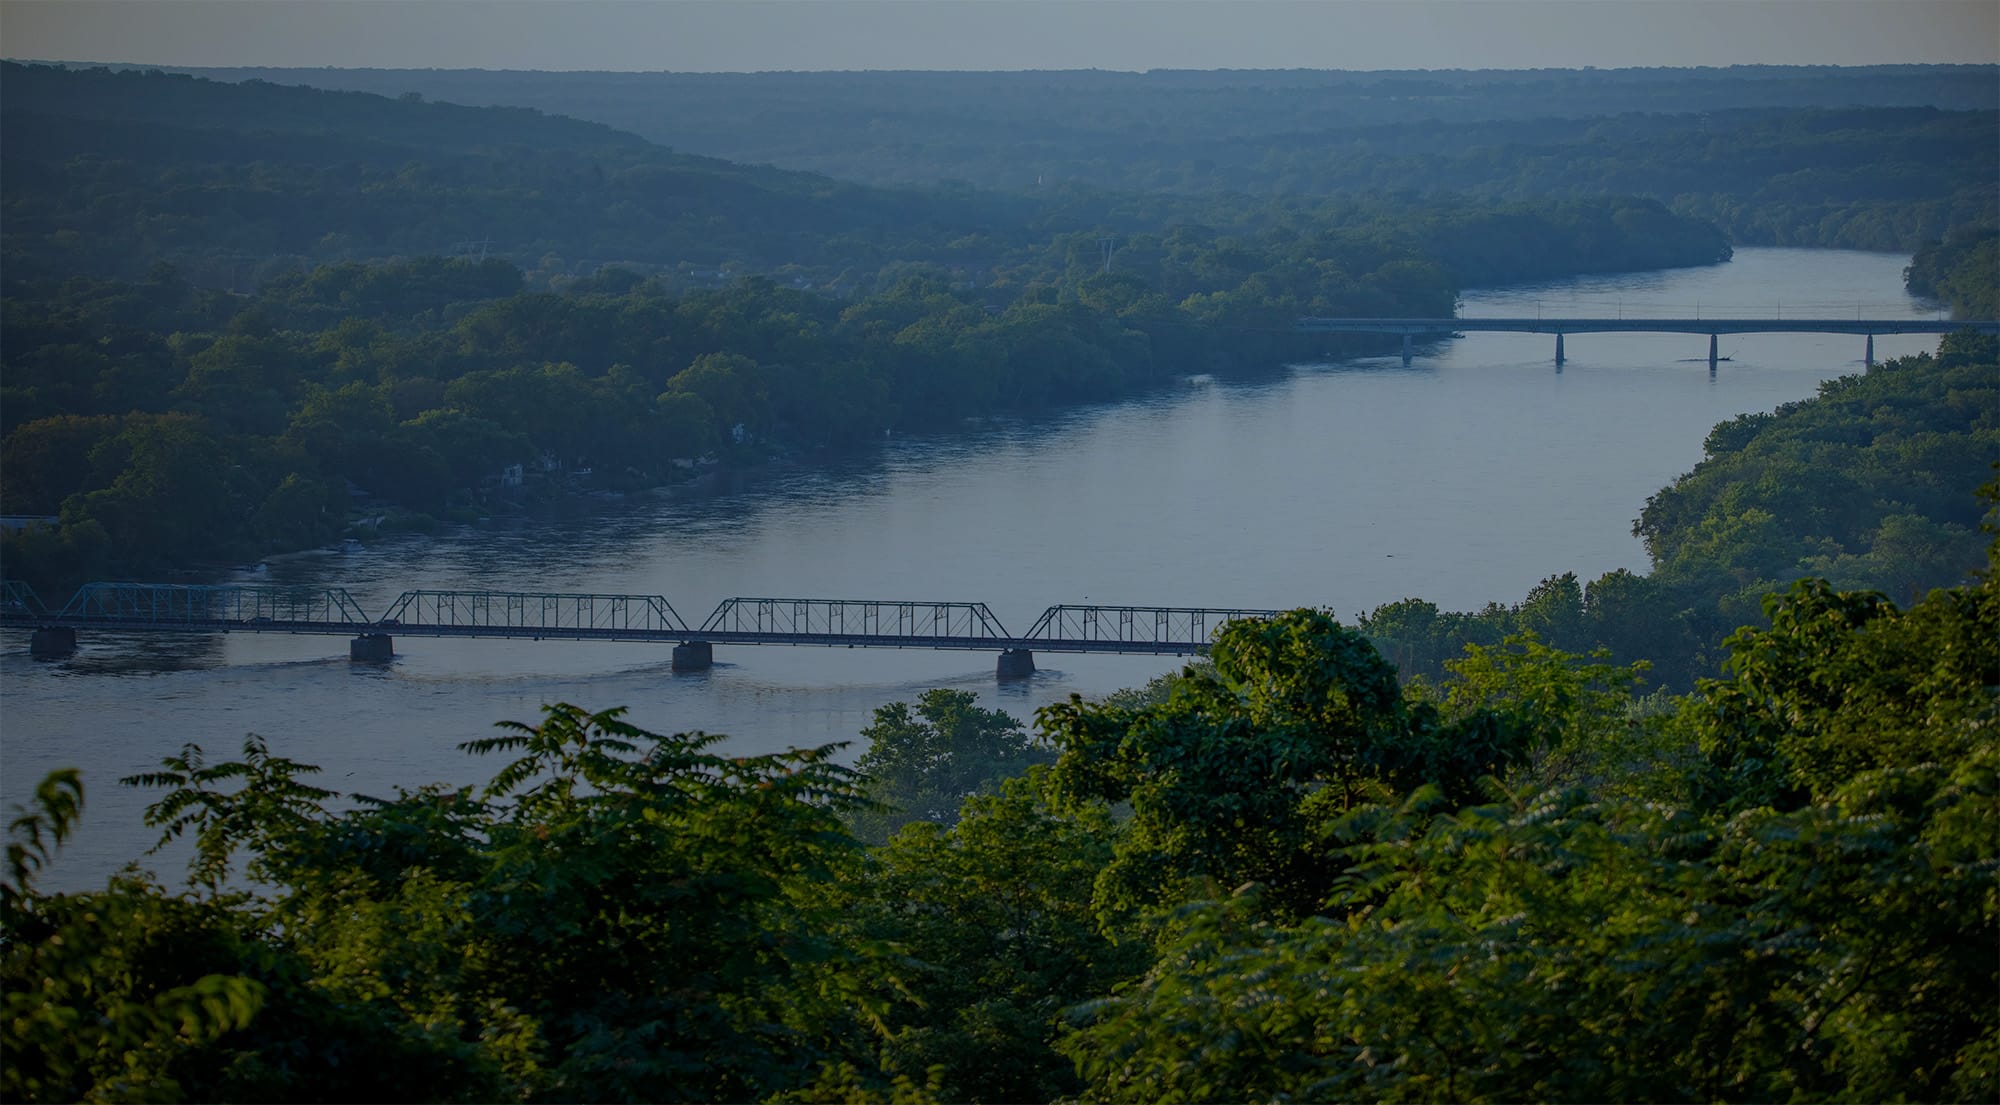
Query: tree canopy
[{"x": 1277, "y": 882}]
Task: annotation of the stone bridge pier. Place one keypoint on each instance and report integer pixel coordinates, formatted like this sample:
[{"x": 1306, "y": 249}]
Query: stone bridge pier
[
  {"x": 372, "y": 648},
  {"x": 694, "y": 656}
]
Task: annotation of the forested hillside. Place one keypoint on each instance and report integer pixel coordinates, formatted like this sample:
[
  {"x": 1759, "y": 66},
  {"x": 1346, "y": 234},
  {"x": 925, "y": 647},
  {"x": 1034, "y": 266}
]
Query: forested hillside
[
  {"x": 109, "y": 173},
  {"x": 1881, "y": 157},
  {"x": 1294, "y": 871},
  {"x": 1869, "y": 485},
  {"x": 1366, "y": 888},
  {"x": 1961, "y": 270},
  {"x": 112, "y": 172},
  {"x": 223, "y": 335}
]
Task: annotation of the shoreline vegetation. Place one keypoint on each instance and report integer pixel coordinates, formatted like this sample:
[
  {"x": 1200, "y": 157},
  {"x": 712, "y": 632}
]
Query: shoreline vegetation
[
  {"x": 1724, "y": 831},
  {"x": 1474, "y": 883},
  {"x": 1869, "y": 484},
  {"x": 173, "y": 426},
  {"x": 166, "y": 421},
  {"x": 1522, "y": 881}
]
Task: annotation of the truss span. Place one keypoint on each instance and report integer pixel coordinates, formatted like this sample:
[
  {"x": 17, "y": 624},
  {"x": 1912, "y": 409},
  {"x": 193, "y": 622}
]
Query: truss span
[
  {"x": 1158, "y": 627},
  {"x": 854, "y": 621},
  {"x": 20, "y": 600},
  {"x": 1725, "y": 325},
  {"x": 176, "y": 605},
  {"x": 532, "y": 614}
]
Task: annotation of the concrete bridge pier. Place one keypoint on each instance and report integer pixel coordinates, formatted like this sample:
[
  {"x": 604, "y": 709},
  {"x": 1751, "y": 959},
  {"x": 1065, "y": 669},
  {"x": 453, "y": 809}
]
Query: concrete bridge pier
[
  {"x": 694, "y": 656},
  {"x": 1711, "y": 354},
  {"x": 1559, "y": 349},
  {"x": 1015, "y": 663},
  {"x": 372, "y": 648},
  {"x": 52, "y": 642},
  {"x": 1868, "y": 355},
  {"x": 1406, "y": 350}
]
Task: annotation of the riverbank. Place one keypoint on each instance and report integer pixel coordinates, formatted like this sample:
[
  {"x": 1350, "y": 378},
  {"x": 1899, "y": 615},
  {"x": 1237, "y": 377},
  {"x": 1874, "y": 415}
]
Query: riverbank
[
  {"x": 227, "y": 429},
  {"x": 1342, "y": 486}
]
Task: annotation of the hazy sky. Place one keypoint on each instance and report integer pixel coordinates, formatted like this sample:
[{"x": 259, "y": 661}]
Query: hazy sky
[{"x": 710, "y": 35}]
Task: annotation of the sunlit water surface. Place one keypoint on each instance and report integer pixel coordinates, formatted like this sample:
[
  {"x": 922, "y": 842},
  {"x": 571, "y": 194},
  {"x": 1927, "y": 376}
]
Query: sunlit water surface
[{"x": 1463, "y": 478}]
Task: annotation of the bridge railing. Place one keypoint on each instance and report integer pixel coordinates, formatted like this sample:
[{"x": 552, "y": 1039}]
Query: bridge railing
[
  {"x": 1152, "y": 625},
  {"x": 532, "y": 610},
  {"x": 855, "y": 618},
  {"x": 20, "y": 600},
  {"x": 196, "y": 604}
]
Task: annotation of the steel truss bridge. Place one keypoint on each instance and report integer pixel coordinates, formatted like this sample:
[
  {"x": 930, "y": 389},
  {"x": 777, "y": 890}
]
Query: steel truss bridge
[
  {"x": 1411, "y": 328},
  {"x": 266, "y": 608}
]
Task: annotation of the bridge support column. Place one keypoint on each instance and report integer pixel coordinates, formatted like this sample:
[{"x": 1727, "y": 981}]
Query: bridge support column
[
  {"x": 1711, "y": 354},
  {"x": 52, "y": 642},
  {"x": 1868, "y": 355},
  {"x": 1559, "y": 351},
  {"x": 372, "y": 648},
  {"x": 1015, "y": 663},
  {"x": 1406, "y": 350},
  {"x": 694, "y": 656}
]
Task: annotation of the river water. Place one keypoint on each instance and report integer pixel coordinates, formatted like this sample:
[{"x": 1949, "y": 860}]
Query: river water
[{"x": 1463, "y": 478}]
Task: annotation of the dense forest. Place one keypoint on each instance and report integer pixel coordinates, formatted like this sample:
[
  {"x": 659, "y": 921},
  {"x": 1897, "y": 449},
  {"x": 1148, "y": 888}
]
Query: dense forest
[
  {"x": 1289, "y": 871},
  {"x": 1868, "y": 485},
  {"x": 1961, "y": 270},
  {"x": 166, "y": 421},
  {"x": 1281, "y": 876},
  {"x": 111, "y": 172},
  {"x": 1720, "y": 831},
  {"x": 1882, "y": 157}
]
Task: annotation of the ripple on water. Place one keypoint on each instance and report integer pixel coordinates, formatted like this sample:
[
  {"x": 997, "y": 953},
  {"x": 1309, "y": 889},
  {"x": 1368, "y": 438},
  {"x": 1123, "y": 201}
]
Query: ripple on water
[{"x": 1464, "y": 478}]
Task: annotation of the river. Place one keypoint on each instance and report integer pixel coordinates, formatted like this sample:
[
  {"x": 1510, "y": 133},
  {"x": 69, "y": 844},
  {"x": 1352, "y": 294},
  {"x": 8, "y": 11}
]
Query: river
[{"x": 1463, "y": 478}]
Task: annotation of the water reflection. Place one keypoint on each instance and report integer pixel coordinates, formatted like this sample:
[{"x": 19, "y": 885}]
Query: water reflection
[{"x": 1462, "y": 478}]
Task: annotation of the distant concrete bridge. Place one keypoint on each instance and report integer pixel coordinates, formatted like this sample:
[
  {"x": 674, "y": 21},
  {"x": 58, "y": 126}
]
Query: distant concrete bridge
[
  {"x": 1411, "y": 328},
  {"x": 834, "y": 623}
]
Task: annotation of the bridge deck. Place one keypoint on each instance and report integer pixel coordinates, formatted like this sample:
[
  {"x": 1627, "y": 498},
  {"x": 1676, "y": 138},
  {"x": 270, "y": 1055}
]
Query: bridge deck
[
  {"x": 646, "y": 619},
  {"x": 617, "y": 634},
  {"x": 1643, "y": 326}
]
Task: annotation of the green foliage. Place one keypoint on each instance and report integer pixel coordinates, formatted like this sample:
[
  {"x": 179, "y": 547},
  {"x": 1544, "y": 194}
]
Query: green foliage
[
  {"x": 994, "y": 920},
  {"x": 169, "y": 424},
  {"x": 34, "y": 835},
  {"x": 1859, "y": 157},
  {"x": 1843, "y": 683},
  {"x": 267, "y": 806},
  {"x": 626, "y": 914},
  {"x": 1234, "y": 778},
  {"x": 1511, "y": 879},
  {"x": 103, "y": 992},
  {"x": 618, "y": 914},
  {"x": 1590, "y": 728},
  {"x": 1512, "y": 886},
  {"x": 113, "y": 172},
  {"x": 1961, "y": 270},
  {"x": 1867, "y": 485},
  {"x": 106, "y": 995},
  {"x": 922, "y": 764},
  {"x": 1821, "y": 477},
  {"x": 1563, "y": 946}
]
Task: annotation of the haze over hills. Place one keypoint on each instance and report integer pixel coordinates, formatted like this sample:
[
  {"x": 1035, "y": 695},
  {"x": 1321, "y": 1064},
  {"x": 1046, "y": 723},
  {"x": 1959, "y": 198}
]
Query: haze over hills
[
  {"x": 708, "y": 111},
  {"x": 275, "y": 175},
  {"x": 111, "y": 171},
  {"x": 1882, "y": 157},
  {"x": 1673, "y": 833}
]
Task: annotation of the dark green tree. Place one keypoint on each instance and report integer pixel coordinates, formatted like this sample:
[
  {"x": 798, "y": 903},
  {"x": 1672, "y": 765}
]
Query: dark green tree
[
  {"x": 1235, "y": 778},
  {"x": 922, "y": 763}
]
